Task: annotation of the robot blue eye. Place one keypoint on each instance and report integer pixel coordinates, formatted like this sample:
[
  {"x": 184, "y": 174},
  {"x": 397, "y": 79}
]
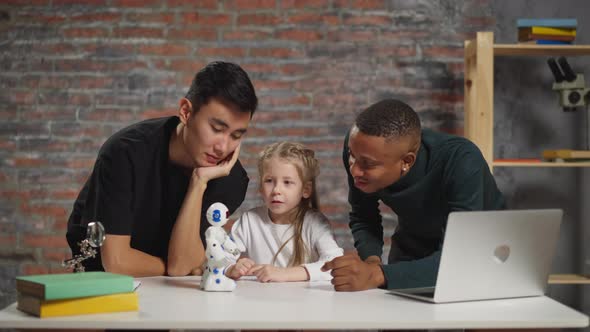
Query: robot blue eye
[{"x": 216, "y": 216}]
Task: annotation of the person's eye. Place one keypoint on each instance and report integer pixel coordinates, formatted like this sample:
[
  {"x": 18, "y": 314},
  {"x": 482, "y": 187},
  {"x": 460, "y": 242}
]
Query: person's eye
[
  {"x": 236, "y": 136},
  {"x": 351, "y": 160},
  {"x": 216, "y": 129},
  {"x": 267, "y": 180},
  {"x": 350, "y": 154}
]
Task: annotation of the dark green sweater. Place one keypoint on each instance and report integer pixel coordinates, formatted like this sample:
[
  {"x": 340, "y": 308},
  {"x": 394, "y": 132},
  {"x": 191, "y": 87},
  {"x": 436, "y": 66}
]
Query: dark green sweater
[{"x": 450, "y": 174}]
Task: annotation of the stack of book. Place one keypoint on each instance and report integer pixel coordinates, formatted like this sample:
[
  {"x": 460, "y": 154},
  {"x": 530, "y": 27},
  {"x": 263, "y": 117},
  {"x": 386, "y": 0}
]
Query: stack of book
[
  {"x": 552, "y": 31},
  {"x": 51, "y": 295}
]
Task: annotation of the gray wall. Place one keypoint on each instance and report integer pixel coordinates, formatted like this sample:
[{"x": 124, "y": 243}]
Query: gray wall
[{"x": 528, "y": 120}]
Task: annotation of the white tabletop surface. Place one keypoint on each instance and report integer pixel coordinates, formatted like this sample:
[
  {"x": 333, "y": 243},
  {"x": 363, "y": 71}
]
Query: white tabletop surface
[{"x": 177, "y": 303}]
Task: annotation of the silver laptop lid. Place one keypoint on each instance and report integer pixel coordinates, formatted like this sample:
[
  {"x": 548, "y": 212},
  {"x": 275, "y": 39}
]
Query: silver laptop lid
[{"x": 497, "y": 254}]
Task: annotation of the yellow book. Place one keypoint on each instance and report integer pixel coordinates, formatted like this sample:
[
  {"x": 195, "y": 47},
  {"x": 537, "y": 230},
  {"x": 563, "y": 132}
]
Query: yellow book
[
  {"x": 80, "y": 306},
  {"x": 552, "y": 31}
]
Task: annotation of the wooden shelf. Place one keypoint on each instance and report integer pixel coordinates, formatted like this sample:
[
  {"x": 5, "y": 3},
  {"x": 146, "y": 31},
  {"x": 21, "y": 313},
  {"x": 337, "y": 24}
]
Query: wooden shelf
[
  {"x": 479, "y": 90},
  {"x": 479, "y": 106},
  {"x": 539, "y": 164},
  {"x": 535, "y": 50},
  {"x": 568, "y": 279}
]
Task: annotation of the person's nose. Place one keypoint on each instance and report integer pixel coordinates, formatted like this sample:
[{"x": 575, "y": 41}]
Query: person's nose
[
  {"x": 276, "y": 190},
  {"x": 355, "y": 170},
  {"x": 221, "y": 146}
]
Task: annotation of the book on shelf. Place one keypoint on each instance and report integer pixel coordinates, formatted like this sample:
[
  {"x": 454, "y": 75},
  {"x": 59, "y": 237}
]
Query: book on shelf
[
  {"x": 73, "y": 285},
  {"x": 547, "y": 31},
  {"x": 547, "y": 22},
  {"x": 80, "y": 306},
  {"x": 566, "y": 155},
  {"x": 526, "y": 36},
  {"x": 545, "y": 42}
]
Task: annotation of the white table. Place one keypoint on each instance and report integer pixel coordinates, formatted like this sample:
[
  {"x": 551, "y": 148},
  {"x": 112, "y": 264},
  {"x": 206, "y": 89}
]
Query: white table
[{"x": 177, "y": 303}]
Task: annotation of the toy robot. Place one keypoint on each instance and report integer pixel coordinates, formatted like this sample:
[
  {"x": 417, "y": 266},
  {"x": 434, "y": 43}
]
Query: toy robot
[{"x": 221, "y": 252}]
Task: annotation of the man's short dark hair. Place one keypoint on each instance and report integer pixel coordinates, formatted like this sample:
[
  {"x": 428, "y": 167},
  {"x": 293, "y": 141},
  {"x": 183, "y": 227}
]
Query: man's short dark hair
[
  {"x": 389, "y": 118},
  {"x": 226, "y": 81}
]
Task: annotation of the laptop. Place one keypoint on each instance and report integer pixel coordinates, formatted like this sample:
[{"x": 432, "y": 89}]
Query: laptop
[{"x": 493, "y": 255}]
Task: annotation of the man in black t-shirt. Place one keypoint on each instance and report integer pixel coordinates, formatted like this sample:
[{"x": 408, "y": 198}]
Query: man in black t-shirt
[{"x": 153, "y": 180}]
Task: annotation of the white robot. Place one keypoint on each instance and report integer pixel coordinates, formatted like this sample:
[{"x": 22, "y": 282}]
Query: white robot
[{"x": 221, "y": 252}]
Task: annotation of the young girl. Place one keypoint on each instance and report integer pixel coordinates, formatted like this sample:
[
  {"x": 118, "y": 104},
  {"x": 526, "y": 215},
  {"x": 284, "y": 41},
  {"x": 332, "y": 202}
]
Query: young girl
[{"x": 287, "y": 239}]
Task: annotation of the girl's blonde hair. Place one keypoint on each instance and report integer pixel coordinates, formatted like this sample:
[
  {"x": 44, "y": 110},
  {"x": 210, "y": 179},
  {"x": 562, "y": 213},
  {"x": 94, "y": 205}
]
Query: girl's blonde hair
[{"x": 308, "y": 169}]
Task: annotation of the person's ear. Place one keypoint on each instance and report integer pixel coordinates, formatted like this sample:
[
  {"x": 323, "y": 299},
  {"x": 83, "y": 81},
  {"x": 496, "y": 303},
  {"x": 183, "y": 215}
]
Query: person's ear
[
  {"x": 307, "y": 190},
  {"x": 185, "y": 110},
  {"x": 408, "y": 161}
]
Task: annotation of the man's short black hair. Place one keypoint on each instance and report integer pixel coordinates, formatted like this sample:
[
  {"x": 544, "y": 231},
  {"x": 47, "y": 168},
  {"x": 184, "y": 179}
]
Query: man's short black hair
[
  {"x": 226, "y": 81},
  {"x": 389, "y": 118}
]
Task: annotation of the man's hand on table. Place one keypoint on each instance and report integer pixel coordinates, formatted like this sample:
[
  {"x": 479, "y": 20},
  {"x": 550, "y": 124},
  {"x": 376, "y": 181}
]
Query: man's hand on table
[{"x": 350, "y": 273}]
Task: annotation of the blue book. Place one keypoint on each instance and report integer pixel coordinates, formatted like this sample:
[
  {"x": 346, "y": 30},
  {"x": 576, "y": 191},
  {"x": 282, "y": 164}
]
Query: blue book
[
  {"x": 551, "y": 42},
  {"x": 547, "y": 22}
]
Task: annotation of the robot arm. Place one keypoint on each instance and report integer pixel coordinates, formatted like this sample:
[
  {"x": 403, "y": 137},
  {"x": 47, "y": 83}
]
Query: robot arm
[{"x": 231, "y": 247}]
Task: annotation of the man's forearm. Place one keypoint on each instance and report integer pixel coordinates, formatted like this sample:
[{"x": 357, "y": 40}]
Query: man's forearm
[
  {"x": 136, "y": 263},
  {"x": 366, "y": 242},
  {"x": 185, "y": 250},
  {"x": 377, "y": 277},
  {"x": 412, "y": 274},
  {"x": 366, "y": 228}
]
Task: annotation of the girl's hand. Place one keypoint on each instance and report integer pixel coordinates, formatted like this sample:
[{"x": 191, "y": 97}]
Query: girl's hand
[
  {"x": 204, "y": 174},
  {"x": 269, "y": 273},
  {"x": 240, "y": 269}
]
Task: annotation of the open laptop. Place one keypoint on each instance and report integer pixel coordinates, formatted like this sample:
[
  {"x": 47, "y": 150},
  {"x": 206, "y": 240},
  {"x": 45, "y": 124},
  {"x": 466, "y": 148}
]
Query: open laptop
[{"x": 492, "y": 255}]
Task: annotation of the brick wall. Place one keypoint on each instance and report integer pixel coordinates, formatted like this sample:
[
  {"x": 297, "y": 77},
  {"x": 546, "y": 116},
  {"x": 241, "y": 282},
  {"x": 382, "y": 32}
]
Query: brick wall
[{"x": 74, "y": 71}]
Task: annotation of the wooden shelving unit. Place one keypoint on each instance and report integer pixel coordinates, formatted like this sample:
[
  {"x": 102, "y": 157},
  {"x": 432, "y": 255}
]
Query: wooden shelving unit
[
  {"x": 479, "y": 91},
  {"x": 479, "y": 104}
]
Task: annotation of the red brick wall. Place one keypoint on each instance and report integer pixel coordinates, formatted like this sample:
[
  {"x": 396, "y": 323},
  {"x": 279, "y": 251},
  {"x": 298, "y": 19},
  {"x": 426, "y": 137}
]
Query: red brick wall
[{"x": 74, "y": 71}]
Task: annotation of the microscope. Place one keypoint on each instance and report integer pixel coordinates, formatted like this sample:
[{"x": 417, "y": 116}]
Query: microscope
[
  {"x": 571, "y": 87},
  {"x": 573, "y": 95}
]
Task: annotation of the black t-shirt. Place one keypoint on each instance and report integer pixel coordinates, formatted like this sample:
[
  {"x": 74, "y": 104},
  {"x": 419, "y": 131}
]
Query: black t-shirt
[{"x": 135, "y": 190}]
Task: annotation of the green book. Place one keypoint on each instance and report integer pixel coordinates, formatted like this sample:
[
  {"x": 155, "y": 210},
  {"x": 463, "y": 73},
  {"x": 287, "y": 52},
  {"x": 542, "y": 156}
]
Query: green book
[{"x": 73, "y": 285}]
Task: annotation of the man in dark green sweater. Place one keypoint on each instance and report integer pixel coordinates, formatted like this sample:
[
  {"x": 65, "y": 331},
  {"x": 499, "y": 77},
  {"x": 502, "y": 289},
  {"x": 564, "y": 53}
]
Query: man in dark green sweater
[{"x": 422, "y": 176}]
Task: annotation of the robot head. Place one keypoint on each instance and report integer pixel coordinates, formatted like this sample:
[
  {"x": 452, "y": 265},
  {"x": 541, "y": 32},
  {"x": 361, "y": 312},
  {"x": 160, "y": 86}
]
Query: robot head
[{"x": 217, "y": 214}]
